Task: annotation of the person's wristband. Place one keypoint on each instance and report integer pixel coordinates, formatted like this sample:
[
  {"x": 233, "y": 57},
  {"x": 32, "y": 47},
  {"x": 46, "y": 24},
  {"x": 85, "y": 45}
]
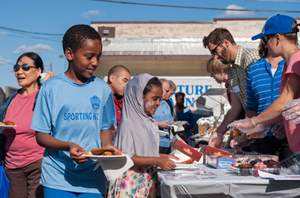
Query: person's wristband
[{"x": 219, "y": 134}]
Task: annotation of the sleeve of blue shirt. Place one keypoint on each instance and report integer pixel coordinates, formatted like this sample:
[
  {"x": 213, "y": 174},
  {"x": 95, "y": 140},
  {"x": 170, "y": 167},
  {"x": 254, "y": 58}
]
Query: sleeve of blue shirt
[
  {"x": 191, "y": 124},
  {"x": 109, "y": 113},
  {"x": 252, "y": 103},
  {"x": 42, "y": 119}
]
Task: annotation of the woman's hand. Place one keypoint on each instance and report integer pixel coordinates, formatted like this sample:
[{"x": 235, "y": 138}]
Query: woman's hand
[
  {"x": 291, "y": 111},
  {"x": 165, "y": 163},
  {"x": 247, "y": 126},
  {"x": 279, "y": 131},
  {"x": 76, "y": 153},
  {"x": 215, "y": 140},
  {"x": 239, "y": 142}
]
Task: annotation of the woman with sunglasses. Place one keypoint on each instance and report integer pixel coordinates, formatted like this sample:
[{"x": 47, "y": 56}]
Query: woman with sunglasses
[
  {"x": 23, "y": 156},
  {"x": 280, "y": 35}
]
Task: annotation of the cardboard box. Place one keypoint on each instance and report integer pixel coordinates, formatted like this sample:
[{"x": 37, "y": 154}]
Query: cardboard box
[
  {"x": 219, "y": 162},
  {"x": 180, "y": 145}
]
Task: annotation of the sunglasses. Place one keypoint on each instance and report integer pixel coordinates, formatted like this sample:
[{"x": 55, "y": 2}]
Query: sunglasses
[
  {"x": 167, "y": 91},
  {"x": 25, "y": 67},
  {"x": 213, "y": 52}
]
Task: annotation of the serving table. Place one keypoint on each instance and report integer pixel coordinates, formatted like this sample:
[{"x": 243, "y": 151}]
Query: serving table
[{"x": 219, "y": 183}]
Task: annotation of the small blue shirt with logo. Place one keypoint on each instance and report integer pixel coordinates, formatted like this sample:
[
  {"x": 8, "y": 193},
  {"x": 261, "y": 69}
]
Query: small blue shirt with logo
[{"x": 74, "y": 113}]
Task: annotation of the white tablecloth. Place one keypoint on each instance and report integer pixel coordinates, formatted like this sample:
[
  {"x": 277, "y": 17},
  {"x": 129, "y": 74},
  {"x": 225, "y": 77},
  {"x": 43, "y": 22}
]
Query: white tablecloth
[{"x": 227, "y": 185}]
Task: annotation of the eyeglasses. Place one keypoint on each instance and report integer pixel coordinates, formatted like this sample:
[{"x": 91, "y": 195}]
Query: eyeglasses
[
  {"x": 213, "y": 52},
  {"x": 25, "y": 67},
  {"x": 166, "y": 90}
]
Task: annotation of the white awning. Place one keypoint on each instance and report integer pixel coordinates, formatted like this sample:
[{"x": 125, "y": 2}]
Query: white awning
[{"x": 183, "y": 46}]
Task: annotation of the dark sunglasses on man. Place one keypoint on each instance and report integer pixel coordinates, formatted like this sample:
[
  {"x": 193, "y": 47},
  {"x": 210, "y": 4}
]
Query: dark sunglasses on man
[
  {"x": 213, "y": 52},
  {"x": 25, "y": 67}
]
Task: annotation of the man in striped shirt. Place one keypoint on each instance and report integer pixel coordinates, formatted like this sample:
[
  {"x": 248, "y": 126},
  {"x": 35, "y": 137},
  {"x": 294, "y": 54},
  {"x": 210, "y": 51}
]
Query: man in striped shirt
[
  {"x": 263, "y": 82},
  {"x": 223, "y": 47}
]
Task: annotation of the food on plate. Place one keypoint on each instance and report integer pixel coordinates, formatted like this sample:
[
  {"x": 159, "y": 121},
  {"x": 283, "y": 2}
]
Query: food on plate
[
  {"x": 250, "y": 164},
  {"x": 212, "y": 129},
  {"x": 245, "y": 169},
  {"x": 7, "y": 122},
  {"x": 216, "y": 123},
  {"x": 202, "y": 128},
  {"x": 256, "y": 135},
  {"x": 273, "y": 164},
  {"x": 274, "y": 167},
  {"x": 254, "y": 161},
  {"x": 247, "y": 165},
  {"x": 102, "y": 151},
  {"x": 189, "y": 161},
  {"x": 237, "y": 133},
  {"x": 227, "y": 132},
  {"x": 260, "y": 165}
]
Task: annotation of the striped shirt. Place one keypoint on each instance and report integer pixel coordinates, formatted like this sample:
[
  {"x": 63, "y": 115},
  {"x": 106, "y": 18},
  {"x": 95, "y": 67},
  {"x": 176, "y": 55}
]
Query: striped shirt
[
  {"x": 237, "y": 72},
  {"x": 262, "y": 86}
]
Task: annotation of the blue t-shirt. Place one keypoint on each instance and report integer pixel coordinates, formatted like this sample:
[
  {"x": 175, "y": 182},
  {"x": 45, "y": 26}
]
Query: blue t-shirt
[
  {"x": 262, "y": 86},
  {"x": 188, "y": 116},
  {"x": 74, "y": 113},
  {"x": 163, "y": 113}
]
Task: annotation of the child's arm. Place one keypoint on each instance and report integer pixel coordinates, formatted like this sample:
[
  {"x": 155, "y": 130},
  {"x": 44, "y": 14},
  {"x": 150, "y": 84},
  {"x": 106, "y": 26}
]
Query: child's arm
[
  {"x": 47, "y": 141},
  {"x": 163, "y": 161},
  {"x": 106, "y": 140}
]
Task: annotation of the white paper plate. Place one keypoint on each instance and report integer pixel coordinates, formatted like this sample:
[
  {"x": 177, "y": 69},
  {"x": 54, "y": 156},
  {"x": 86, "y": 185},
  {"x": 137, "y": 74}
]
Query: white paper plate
[
  {"x": 106, "y": 157},
  {"x": 163, "y": 133},
  {"x": 186, "y": 166},
  {"x": 7, "y": 126},
  {"x": 179, "y": 123},
  {"x": 183, "y": 166}
]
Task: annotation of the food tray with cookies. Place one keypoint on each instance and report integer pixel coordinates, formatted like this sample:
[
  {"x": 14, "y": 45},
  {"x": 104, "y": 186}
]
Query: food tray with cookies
[
  {"x": 249, "y": 164},
  {"x": 7, "y": 124},
  {"x": 104, "y": 153}
]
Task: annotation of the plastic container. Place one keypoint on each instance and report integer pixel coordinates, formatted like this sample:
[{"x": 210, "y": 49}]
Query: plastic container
[
  {"x": 262, "y": 157},
  {"x": 253, "y": 171},
  {"x": 291, "y": 164}
]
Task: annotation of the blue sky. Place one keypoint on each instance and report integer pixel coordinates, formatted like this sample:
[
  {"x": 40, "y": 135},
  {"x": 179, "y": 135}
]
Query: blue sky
[{"x": 56, "y": 16}]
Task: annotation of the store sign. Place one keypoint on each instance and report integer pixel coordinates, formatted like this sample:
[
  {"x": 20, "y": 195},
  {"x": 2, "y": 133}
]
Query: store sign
[{"x": 193, "y": 87}]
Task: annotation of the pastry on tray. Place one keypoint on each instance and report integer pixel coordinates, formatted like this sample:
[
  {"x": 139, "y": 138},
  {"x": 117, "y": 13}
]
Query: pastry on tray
[
  {"x": 102, "y": 151},
  {"x": 7, "y": 122}
]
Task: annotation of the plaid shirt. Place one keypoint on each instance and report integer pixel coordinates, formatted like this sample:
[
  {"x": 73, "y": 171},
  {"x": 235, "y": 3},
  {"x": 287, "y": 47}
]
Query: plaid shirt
[{"x": 237, "y": 72}]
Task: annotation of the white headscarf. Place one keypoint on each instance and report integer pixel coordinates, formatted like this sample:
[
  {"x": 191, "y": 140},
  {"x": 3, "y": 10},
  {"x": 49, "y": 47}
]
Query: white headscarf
[{"x": 137, "y": 133}]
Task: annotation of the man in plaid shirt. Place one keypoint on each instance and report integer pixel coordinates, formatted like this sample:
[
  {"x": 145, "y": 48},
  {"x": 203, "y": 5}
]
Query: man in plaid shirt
[{"x": 223, "y": 47}]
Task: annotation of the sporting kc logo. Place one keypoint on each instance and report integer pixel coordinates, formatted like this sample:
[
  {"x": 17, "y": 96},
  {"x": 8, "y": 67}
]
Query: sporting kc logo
[{"x": 95, "y": 101}]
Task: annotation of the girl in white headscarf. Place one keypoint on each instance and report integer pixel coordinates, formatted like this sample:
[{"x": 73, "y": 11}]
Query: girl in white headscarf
[{"x": 137, "y": 135}]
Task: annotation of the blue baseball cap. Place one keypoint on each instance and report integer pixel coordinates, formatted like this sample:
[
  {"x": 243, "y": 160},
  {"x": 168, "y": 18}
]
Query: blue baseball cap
[{"x": 277, "y": 24}]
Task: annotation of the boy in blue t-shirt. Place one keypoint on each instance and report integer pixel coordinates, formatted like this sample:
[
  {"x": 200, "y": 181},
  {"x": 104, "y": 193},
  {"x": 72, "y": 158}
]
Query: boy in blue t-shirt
[{"x": 73, "y": 114}]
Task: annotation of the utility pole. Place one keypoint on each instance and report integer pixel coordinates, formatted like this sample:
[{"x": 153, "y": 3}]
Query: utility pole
[{"x": 50, "y": 66}]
